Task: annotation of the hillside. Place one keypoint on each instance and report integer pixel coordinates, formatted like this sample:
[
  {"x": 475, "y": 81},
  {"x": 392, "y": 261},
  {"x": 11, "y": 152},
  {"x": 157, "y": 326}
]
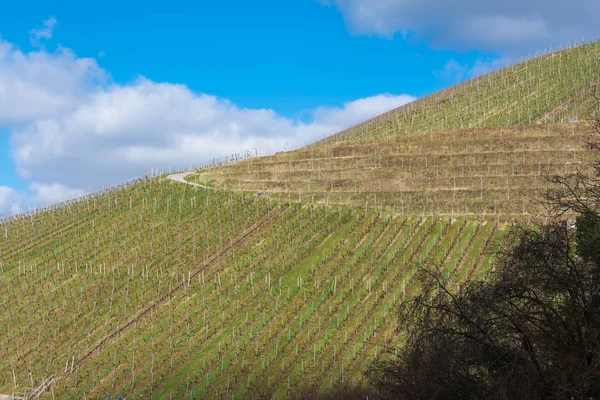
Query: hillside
[
  {"x": 478, "y": 149},
  {"x": 553, "y": 88},
  {"x": 496, "y": 174},
  {"x": 247, "y": 291},
  {"x": 285, "y": 271}
]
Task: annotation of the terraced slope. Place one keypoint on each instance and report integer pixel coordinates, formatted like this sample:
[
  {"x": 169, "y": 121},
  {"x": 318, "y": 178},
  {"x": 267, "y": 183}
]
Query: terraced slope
[
  {"x": 554, "y": 88},
  {"x": 163, "y": 289},
  {"x": 490, "y": 173}
]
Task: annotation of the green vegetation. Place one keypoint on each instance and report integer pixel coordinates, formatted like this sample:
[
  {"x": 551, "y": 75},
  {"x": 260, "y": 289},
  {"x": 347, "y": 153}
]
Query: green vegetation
[
  {"x": 309, "y": 294},
  {"x": 286, "y": 272}
]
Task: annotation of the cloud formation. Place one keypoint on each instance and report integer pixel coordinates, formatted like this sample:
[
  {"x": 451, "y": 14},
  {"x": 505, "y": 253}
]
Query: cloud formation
[
  {"x": 38, "y": 34},
  {"x": 10, "y": 201},
  {"x": 52, "y": 193},
  {"x": 508, "y": 27},
  {"x": 39, "y": 84},
  {"x": 122, "y": 131},
  {"x": 73, "y": 130}
]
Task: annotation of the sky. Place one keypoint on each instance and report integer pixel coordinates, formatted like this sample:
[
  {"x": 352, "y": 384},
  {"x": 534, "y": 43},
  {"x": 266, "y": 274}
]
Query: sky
[{"x": 93, "y": 94}]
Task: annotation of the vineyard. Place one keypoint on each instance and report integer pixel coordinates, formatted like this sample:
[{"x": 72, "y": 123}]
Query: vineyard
[
  {"x": 496, "y": 174},
  {"x": 553, "y": 88},
  {"x": 282, "y": 273},
  {"x": 245, "y": 295}
]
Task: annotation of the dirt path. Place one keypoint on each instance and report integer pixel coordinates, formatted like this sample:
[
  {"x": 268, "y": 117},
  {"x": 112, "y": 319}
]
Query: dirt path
[{"x": 180, "y": 177}]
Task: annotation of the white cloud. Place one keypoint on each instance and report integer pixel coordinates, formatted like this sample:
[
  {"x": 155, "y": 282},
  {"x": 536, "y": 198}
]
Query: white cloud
[
  {"x": 328, "y": 120},
  {"x": 39, "y": 195},
  {"x": 72, "y": 130},
  {"x": 10, "y": 201},
  {"x": 121, "y": 132},
  {"x": 508, "y": 27},
  {"x": 44, "y": 194},
  {"x": 39, "y": 84},
  {"x": 45, "y": 32},
  {"x": 359, "y": 110}
]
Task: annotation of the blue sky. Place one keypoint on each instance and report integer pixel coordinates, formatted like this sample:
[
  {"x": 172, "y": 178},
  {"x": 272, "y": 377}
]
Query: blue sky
[
  {"x": 286, "y": 55},
  {"x": 95, "y": 93}
]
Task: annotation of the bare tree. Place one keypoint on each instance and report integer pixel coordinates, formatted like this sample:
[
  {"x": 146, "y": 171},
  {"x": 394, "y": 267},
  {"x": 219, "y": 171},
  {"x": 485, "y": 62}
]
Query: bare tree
[
  {"x": 579, "y": 192},
  {"x": 531, "y": 330}
]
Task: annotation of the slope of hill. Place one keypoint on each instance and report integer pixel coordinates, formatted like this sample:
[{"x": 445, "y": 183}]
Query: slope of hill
[
  {"x": 490, "y": 173},
  {"x": 166, "y": 290},
  {"x": 553, "y": 88},
  {"x": 480, "y": 148}
]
